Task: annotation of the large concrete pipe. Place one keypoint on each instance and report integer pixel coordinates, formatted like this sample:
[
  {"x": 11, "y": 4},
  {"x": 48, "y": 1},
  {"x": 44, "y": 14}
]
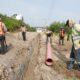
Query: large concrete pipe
[{"x": 49, "y": 60}]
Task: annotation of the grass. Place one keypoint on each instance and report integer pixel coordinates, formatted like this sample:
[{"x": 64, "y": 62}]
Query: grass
[{"x": 61, "y": 68}]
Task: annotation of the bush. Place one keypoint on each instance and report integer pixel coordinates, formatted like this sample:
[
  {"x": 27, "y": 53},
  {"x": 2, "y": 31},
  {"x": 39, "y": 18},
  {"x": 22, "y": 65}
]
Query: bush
[
  {"x": 11, "y": 24},
  {"x": 55, "y": 26},
  {"x": 31, "y": 29}
]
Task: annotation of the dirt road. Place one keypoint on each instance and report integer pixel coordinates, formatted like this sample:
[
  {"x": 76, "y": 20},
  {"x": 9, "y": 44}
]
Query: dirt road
[{"x": 37, "y": 69}]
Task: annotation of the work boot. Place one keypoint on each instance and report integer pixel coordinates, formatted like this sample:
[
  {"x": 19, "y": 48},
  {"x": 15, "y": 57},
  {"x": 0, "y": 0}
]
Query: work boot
[{"x": 70, "y": 65}]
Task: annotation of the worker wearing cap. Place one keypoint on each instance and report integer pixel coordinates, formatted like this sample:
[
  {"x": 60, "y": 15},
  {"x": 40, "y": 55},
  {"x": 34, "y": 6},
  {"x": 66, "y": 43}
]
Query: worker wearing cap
[{"x": 75, "y": 51}]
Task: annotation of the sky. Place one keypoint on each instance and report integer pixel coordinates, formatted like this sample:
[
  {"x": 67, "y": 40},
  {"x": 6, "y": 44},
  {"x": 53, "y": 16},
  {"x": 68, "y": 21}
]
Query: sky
[{"x": 42, "y": 12}]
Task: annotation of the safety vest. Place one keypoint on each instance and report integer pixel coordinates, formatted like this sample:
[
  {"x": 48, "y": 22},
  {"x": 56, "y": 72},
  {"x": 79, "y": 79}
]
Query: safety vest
[
  {"x": 1, "y": 29},
  {"x": 61, "y": 33},
  {"x": 76, "y": 36}
]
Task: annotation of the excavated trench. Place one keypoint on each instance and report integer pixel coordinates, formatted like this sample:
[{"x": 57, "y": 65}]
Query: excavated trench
[
  {"x": 20, "y": 57},
  {"x": 37, "y": 69},
  {"x": 26, "y": 60}
]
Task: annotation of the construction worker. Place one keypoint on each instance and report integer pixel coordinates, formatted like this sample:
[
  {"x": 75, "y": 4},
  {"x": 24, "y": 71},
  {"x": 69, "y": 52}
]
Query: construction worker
[
  {"x": 23, "y": 30},
  {"x": 3, "y": 30},
  {"x": 49, "y": 35},
  {"x": 61, "y": 36},
  {"x": 75, "y": 51}
]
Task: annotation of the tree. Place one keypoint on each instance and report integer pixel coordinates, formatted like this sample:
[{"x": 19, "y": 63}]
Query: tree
[{"x": 55, "y": 26}]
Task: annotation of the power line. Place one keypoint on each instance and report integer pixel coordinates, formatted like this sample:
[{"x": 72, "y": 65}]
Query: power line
[{"x": 53, "y": 2}]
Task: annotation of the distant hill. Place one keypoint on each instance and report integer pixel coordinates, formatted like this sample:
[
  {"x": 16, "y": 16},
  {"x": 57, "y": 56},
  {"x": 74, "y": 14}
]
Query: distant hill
[{"x": 13, "y": 24}]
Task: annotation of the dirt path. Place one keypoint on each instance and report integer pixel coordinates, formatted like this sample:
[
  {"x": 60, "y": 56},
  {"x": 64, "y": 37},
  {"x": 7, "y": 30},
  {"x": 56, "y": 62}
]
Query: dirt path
[
  {"x": 42, "y": 71},
  {"x": 60, "y": 54},
  {"x": 13, "y": 62}
]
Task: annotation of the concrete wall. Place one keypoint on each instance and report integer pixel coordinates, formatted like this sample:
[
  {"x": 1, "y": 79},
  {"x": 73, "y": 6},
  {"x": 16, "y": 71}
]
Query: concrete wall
[{"x": 14, "y": 66}]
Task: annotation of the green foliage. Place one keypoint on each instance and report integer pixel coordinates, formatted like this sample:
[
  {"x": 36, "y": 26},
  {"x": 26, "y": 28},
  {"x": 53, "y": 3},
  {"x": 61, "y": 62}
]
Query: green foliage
[
  {"x": 31, "y": 29},
  {"x": 11, "y": 24},
  {"x": 14, "y": 25},
  {"x": 55, "y": 26},
  {"x": 68, "y": 30}
]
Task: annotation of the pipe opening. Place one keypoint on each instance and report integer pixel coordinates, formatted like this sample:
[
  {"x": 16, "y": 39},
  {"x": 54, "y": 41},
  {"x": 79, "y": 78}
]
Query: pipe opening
[{"x": 49, "y": 60}]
